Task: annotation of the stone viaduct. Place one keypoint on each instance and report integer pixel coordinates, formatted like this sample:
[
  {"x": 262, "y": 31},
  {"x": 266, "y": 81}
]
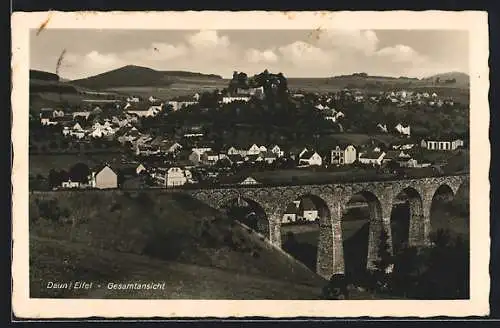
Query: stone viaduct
[{"x": 331, "y": 200}]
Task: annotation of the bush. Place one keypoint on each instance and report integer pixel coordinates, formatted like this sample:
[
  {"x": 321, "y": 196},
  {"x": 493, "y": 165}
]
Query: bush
[{"x": 336, "y": 289}]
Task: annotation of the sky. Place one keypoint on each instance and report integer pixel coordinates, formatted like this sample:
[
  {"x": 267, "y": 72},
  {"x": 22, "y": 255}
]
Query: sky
[{"x": 295, "y": 53}]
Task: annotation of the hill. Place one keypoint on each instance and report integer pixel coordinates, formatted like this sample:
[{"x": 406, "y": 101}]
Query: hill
[
  {"x": 452, "y": 78},
  {"x": 41, "y": 75},
  {"x": 153, "y": 235},
  {"x": 372, "y": 83},
  {"x": 137, "y": 76}
]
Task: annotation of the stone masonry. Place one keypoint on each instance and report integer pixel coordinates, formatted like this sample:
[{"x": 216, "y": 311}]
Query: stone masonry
[{"x": 332, "y": 199}]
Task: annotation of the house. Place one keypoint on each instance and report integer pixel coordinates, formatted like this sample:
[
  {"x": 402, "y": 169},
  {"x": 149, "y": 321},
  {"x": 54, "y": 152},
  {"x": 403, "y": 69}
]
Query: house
[
  {"x": 402, "y": 129},
  {"x": 371, "y": 157},
  {"x": 58, "y": 113},
  {"x": 201, "y": 149},
  {"x": 310, "y": 158},
  {"x": 175, "y": 176},
  {"x": 176, "y": 105},
  {"x": 46, "y": 116},
  {"x": 209, "y": 158},
  {"x": 133, "y": 99},
  {"x": 236, "y": 151},
  {"x": 140, "y": 168},
  {"x": 268, "y": 156},
  {"x": 235, "y": 159},
  {"x": 170, "y": 147},
  {"x": 396, "y": 155},
  {"x": 249, "y": 181},
  {"x": 308, "y": 210},
  {"x": 227, "y": 100},
  {"x": 104, "y": 177},
  {"x": 442, "y": 144},
  {"x": 382, "y": 128},
  {"x": 403, "y": 146},
  {"x": 254, "y": 150},
  {"x": 84, "y": 115},
  {"x": 291, "y": 212},
  {"x": 296, "y": 152},
  {"x": 195, "y": 157},
  {"x": 343, "y": 155},
  {"x": 70, "y": 184},
  {"x": 150, "y": 111}
]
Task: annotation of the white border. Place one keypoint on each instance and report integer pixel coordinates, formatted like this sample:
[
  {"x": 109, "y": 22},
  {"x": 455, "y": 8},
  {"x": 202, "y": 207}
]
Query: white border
[{"x": 474, "y": 22}]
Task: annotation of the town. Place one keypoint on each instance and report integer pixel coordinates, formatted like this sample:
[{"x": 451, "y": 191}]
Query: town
[
  {"x": 151, "y": 148},
  {"x": 229, "y": 167}
]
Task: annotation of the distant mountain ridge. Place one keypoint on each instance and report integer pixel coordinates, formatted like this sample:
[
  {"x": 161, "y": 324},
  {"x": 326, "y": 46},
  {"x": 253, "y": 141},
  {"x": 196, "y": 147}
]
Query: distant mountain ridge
[
  {"x": 132, "y": 76},
  {"x": 41, "y": 75},
  {"x": 450, "y": 77}
]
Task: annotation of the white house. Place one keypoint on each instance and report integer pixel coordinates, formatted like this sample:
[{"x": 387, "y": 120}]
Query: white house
[
  {"x": 277, "y": 150},
  {"x": 149, "y": 112},
  {"x": 253, "y": 150},
  {"x": 343, "y": 155},
  {"x": 310, "y": 158},
  {"x": 249, "y": 181},
  {"x": 140, "y": 168},
  {"x": 235, "y": 151},
  {"x": 175, "y": 176},
  {"x": 70, "y": 184},
  {"x": 209, "y": 157},
  {"x": 405, "y": 130},
  {"x": 373, "y": 157},
  {"x": 227, "y": 100},
  {"x": 382, "y": 128},
  {"x": 133, "y": 99},
  {"x": 309, "y": 211},
  {"x": 104, "y": 178},
  {"x": 291, "y": 212},
  {"x": 201, "y": 150},
  {"x": 442, "y": 144}
]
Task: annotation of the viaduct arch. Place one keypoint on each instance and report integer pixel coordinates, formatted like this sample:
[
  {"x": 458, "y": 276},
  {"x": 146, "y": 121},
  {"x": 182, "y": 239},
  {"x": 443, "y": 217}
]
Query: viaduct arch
[{"x": 333, "y": 199}]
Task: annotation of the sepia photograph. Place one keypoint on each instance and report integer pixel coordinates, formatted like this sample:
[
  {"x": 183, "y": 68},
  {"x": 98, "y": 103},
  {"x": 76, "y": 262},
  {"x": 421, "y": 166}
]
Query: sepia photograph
[{"x": 302, "y": 160}]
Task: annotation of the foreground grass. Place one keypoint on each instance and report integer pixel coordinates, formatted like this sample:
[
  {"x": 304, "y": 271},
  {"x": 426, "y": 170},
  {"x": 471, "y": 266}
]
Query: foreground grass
[{"x": 63, "y": 261}]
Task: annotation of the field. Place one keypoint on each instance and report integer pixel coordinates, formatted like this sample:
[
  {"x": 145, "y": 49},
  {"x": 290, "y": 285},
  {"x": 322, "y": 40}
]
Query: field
[
  {"x": 305, "y": 175},
  {"x": 42, "y": 164},
  {"x": 187, "y": 87}
]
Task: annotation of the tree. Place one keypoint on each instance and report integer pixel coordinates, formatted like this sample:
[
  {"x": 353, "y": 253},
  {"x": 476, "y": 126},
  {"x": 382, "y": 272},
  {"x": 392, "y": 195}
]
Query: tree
[
  {"x": 336, "y": 289},
  {"x": 79, "y": 173},
  {"x": 384, "y": 261},
  {"x": 55, "y": 178}
]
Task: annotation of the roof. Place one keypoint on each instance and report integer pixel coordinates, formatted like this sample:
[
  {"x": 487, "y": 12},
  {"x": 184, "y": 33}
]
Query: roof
[
  {"x": 100, "y": 167},
  {"x": 235, "y": 158},
  {"x": 308, "y": 154},
  {"x": 306, "y": 204},
  {"x": 371, "y": 154},
  {"x": 291, "y": 209},
  {"x": 268, "y": 154},
  {"x": 342, "y": 145}
]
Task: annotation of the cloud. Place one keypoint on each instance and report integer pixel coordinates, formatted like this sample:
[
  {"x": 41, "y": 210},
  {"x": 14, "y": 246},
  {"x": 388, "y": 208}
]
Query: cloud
[
  {"x": 101, "y": 59},
  {"x": 303, "y": 52},
  {"x": 400, "y": 53},
  {"x": 207, "y": 39},
  {"x": 348, "y": 40},
  {"x": 327, "y": 53},
  {"x": 258, "y": 56}
]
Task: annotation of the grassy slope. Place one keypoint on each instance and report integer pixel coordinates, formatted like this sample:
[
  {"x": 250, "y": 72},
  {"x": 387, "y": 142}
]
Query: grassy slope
[
  {"x": 42, "y": 164},
  {"x": 168, "y": 228},
  {"x": 65, "y": 261}
]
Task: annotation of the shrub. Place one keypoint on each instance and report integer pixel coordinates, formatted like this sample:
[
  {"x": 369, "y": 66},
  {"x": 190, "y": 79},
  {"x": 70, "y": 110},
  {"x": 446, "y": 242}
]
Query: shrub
[{"x": 336, "y": 289}]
